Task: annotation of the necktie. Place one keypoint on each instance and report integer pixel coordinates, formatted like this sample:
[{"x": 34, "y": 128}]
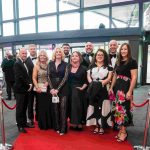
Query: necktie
[
  {"x": 112, "y": 56},
  {"x": 34, "y": 58},
  {"x": 25, "y": 66}
]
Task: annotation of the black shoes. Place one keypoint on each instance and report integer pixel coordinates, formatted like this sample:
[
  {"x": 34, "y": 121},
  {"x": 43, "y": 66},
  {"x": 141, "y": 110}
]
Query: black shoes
[
  {"x": 8, "y": 98},
  {"x": 22, "y": 130},
  {"x": 29, "y": 125}
]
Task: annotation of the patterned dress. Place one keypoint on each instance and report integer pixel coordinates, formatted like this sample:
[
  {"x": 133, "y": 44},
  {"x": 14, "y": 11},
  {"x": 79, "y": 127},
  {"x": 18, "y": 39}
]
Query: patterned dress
[
  {"x": 98, "y": 112},
  {"x": 121, "y": 110}
]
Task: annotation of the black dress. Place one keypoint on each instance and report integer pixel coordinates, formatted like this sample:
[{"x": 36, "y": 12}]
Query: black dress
[
  {"x": 97, "y": 94},
  {"x": 77, "y": 97},
  {"x": 44, "y": 103},
  {"x": 57, "y": 80},
  {"x": 122, "y": 114}
]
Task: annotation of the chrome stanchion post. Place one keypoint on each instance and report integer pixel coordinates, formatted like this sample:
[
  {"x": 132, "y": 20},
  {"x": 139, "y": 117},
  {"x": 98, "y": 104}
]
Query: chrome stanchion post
[
  {"x": 3, "y": 145},
  {"x": 146, "y": 127},
  {"x": 144, "y": 147}
]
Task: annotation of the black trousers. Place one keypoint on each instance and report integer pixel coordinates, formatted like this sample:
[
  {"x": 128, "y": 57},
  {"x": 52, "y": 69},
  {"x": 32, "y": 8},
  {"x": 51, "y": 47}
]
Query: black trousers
[
  {"x": 32, "y": 96},
  {"x": 60, "y": 115},
  {"x": 9, "y": 87},
  {"x": 21, "y": 108}
]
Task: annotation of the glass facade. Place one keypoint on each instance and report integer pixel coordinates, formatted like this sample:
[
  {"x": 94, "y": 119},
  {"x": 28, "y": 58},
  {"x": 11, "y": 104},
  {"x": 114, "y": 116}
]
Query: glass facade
[
  {"x": 125, "y": 16},
  {"x": 96, "y": 17},
  {"x": 7, "y": 5},
  {"x": 27, "y": 26},
  {"x": 59, "y": 15},
  {"x": 47, "y": 24}
]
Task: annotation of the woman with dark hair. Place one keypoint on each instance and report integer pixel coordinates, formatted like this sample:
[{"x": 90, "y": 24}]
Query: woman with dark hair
[
  {"x": 98, "y": 74},
  {"x": 123, "y": 84},
  {"x": 77, "y": 83}
]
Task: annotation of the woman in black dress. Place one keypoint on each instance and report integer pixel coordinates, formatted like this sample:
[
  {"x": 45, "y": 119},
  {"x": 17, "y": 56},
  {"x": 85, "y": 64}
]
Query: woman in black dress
[
  {"x": 123, "y": 83},
  {"x": 57, "y": 76},
  {"x": 99, "y": 74},
  {"x": 77, "y": 83},
  {"x": 40, "y": 86}
]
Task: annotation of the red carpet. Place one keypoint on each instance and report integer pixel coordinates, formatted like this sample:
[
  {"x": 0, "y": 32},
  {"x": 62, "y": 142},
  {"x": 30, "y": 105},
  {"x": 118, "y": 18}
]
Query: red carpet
[{"x": 37, "y": 139}]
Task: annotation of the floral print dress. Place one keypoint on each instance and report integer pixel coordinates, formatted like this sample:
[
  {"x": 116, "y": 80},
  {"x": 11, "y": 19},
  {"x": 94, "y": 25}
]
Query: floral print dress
[{"x": 121, "y": 110}]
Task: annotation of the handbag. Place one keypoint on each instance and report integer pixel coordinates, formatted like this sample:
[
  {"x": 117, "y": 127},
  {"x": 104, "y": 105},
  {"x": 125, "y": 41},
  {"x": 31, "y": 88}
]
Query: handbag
[
  {"x": 42, "y": 87},
  {"x": 112, "y": 97},
  {"x": 55, "y": 99}
]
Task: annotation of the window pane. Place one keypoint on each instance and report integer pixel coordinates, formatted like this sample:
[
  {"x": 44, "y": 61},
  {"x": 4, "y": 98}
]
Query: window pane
[
  {"x": 146, "y": 21},
  {"x": 89, "y": 3},
  {"x": 69, "y": 22},
  {"x": 7, "y": 9},
  {"x": 26, "y": 8},
  {"x": 118, "y": 1},
  {"x": 27, "y": 26},
  {"x": 47, "y": 24},
  {"x": 46, "y": 6},
  {"x": 69, "y": 4},
  {"x": 8, "y": 29},
  {"x": 125, "y": 16},
  {"x": 97, "y": 17}
]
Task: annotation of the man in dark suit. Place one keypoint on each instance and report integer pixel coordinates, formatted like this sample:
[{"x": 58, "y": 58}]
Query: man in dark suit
[
  {"x": 66, "y": 50},
  {"x": 31, "y": 60},
  {"x": 88, "y": 55},
  {"x": 112, "y": 56},
  {"x": 7, "y": 67},
  {"x": 22, "y": 87}
]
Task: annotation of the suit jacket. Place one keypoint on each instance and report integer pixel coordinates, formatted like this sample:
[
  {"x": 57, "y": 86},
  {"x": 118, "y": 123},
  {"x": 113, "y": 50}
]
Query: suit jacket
[
  {"x": 22, "y": 79},
  {"x": 30, "y": 66},
  {"x": 85, "y": 61},
  {"x": 109, "y": 58},
  {"x": 7, "y": 67}
]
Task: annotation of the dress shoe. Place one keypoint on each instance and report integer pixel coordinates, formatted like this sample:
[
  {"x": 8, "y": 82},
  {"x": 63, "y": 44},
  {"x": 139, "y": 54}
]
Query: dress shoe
[
  {"x": 31, "y": 121},
  {"x": 22, "y": 130},
  {"x": 8, "y": 98},
  {"x": 29, "y": 125}
]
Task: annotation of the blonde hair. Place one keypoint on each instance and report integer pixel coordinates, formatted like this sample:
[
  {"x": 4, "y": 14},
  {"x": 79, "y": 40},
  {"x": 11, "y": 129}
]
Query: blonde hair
[
  {"x": 54, "y": 53},
  {"x": 42, "y": 51}
]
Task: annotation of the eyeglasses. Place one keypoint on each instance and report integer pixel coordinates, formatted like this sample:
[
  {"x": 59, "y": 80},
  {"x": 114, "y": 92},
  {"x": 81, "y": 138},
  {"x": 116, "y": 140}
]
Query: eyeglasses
[{"x": 100, "y": 55}]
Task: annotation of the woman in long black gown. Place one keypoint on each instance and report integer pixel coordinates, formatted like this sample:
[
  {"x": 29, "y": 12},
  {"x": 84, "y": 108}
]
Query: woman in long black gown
[
  {"x": 123, "y": 83},
  {"x": 77, "y": 83},
  {"x": 41, "y": 86},
  {"x": 57, "y": 77}
]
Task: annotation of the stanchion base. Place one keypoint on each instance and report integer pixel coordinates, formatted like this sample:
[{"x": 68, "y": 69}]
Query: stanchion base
[
  {"x": 6, "y": 147},
  {"x": 139, "y": 147}
]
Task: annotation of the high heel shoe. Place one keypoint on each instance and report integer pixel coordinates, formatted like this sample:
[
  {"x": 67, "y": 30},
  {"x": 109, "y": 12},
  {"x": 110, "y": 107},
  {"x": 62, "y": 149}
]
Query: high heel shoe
[
  {"x": 101, "y": 131},
  {"x": 96, "y": 130},
  {"x": 118, "y": 135},
  {"x": 122, "y": 139}
]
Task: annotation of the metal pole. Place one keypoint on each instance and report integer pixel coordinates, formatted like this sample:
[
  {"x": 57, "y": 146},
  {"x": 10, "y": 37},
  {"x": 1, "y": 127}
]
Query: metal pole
[
  {"x": 147, "y": 123},
  {"x": 146, "y": 126},
  {"x": 3, "y": 145}
]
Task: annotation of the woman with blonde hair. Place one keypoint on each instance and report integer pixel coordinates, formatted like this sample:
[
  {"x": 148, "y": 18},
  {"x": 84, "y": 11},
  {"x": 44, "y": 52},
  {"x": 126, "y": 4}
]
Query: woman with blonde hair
[
  {"x": 40, "y": 81},
  {"x": 57, "y": 77}
]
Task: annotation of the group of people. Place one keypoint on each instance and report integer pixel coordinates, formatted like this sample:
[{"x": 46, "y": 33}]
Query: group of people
[{"x": 75, "y": 86}]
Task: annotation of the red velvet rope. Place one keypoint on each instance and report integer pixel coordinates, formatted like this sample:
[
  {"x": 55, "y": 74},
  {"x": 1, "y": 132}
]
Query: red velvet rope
[
  {"x": 11, "y": 108},
  {"x": 140, "y": 105}
]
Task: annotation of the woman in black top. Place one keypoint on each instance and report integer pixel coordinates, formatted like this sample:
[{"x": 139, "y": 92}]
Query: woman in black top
[
  {"x": 57, "y": 76},
  {"x": 77, "y": 83},
  {"x": 123, "y": 83}
]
